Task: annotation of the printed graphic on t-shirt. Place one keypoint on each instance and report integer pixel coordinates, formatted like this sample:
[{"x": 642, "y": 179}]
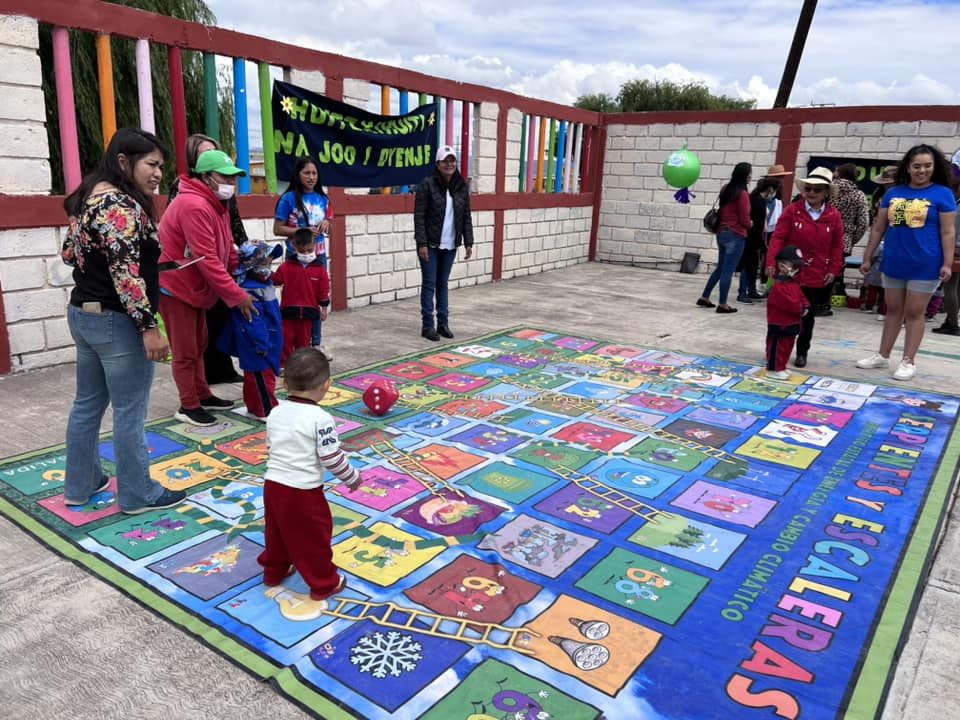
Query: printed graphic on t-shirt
[{"x": 909, "y": 212}]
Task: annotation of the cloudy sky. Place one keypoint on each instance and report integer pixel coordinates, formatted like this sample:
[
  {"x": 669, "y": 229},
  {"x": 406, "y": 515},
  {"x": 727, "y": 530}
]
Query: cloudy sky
[{"x": 859, "y": 52}]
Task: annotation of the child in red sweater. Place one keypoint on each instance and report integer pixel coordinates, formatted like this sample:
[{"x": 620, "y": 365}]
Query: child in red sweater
[
  {"x": 306, "y": 292},
  {"x": 786, "y": 306}
]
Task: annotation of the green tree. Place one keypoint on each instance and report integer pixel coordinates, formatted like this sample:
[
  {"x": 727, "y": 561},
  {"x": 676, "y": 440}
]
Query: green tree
[
  {"x": 646, "y": 95},
  {"x": 599, "y": 102},
  {"x": 83, "y": 57},
  {"x": 649, "y": 95}
]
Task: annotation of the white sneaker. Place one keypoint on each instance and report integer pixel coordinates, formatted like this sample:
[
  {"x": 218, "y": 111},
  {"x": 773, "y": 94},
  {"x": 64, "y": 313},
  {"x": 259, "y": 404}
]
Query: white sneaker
[
  {"x": 778, "y": 374},
  {"x": 873, "y": 362},
  {"x": 906, "y": 370},
  {"x": 881, "y": 318}
]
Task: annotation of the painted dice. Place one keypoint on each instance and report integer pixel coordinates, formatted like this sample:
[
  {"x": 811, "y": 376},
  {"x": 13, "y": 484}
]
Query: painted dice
[{"x": 380, "y": 396}]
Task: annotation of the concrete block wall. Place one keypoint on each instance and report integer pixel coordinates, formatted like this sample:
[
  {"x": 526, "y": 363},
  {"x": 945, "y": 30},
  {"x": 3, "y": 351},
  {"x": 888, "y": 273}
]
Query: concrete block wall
[
  {"x": 640, "y": 222},
  {"x": 24, "y": 164},
  {"x": 876, "y": 139},
  {"x": 36, "y": 288},
  {"x": 382, "y": 259},
  {"x": 542, "y": 239}
]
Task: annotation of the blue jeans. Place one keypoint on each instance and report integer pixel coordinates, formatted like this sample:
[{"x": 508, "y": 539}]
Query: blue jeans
[
  {"x": 731, "y": 248},
  {"x": 434, "y": 274},
  {"x": 112, "y": 368}
]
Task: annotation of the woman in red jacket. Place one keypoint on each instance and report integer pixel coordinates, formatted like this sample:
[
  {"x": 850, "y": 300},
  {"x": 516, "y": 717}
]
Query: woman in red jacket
[
  {"x": 735, "y": 221},
  {"x": 815, "y": 227},
  {"x": 197, "y": 224}
]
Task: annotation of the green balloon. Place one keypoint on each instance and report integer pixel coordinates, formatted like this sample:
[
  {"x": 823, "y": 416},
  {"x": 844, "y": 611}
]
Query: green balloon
[{"x": 681, "y": 169}]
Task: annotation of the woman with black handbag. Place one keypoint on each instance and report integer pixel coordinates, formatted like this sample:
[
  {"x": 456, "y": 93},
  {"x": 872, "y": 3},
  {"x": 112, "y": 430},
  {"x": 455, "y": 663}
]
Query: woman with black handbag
[{"x": 734, "y": 202}]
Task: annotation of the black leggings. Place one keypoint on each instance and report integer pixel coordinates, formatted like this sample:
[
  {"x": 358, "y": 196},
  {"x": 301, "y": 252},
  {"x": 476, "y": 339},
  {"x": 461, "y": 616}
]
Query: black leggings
[{"x": 817, "y": 297}]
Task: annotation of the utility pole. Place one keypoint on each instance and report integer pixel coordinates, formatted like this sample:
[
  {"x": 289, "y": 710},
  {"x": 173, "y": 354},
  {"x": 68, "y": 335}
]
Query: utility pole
[{"x": 796, "y": 50}]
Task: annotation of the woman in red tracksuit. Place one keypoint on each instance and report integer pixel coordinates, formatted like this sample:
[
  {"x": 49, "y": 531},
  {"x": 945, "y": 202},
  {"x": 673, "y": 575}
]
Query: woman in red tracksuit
[
  {"x": 197, "y": 224},
  {"x": 814, "y": 226}
]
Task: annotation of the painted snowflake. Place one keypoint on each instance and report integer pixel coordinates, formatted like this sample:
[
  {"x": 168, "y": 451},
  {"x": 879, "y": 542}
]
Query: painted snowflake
[{"x": 380, "y": 653}]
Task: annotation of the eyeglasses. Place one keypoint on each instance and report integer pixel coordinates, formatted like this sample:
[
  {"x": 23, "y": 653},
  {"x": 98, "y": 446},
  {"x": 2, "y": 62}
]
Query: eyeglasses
[{"x": 814, "y": 189}]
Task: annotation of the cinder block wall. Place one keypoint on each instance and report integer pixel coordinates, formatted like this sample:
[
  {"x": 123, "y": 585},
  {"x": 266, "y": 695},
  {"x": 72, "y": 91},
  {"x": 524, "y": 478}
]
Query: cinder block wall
[{"x": 640, "y": 222}]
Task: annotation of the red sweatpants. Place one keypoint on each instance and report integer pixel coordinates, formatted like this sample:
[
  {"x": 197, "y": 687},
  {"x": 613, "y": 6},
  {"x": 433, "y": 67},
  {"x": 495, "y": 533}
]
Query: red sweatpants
[
  {"x": 260, "y": 391},
  {"x": 187, "y": 334},
  {"x": 298, "y": 531},
  {"x": 296, "y": 335},
  {"x": 780, "y": 342}
]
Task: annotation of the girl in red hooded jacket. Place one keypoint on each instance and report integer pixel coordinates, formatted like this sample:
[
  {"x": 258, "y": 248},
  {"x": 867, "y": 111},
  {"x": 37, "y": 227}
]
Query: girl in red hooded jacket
[{"x": 814, "y": 226}]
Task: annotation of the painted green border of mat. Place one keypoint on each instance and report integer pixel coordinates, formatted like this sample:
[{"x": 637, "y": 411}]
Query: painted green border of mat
[
  {"x": 900, "y": 608},
  {"x": 137, "y": 590}
]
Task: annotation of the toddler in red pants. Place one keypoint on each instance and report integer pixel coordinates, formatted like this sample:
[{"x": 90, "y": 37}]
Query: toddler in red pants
[
  {"x": 786, "y": 306},
  {"x": 306, "y": 293},
  {"x": 304, "y": 446}
]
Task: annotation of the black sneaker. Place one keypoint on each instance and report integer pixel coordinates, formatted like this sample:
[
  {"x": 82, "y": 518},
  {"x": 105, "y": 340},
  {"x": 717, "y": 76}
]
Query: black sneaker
[
  {"x": 167, "y": 499},
  {"x": 430, "y": 334},
  {"x": 195, "y": 416},
  {"x": 445, "y": 331},
  {"x": 217, "y": 403},
  {"x": 946, "y": 329},
  {"x": 744, "y": 299}
]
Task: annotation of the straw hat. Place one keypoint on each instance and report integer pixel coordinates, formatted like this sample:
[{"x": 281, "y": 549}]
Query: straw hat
[
  {"x": 817, "y": 176},
  {"x": 777, "y": 171},
  {"x": 887, "y": 176}
]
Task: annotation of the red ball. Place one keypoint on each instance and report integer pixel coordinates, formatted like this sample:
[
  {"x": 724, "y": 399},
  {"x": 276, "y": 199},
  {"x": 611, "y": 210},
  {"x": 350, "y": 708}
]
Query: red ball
[{"x": 380, "y": 396}]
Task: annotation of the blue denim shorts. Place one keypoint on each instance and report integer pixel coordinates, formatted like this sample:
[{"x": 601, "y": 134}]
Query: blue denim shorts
[{"x": 918, "y": 286}]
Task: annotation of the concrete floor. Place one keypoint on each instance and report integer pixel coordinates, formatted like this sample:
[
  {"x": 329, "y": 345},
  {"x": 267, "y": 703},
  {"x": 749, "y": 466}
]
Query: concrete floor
[{"x": 72, "y": 646}]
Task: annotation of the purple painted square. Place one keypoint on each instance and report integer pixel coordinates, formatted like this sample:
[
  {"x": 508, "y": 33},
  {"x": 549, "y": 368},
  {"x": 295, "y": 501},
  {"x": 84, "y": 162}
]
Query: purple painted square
[
  {"x": 488, "y": 438},
  {"x": 449, "y": 514},
  {"x": 212, "y": 567},
  {"x": 573, "y": 504}
]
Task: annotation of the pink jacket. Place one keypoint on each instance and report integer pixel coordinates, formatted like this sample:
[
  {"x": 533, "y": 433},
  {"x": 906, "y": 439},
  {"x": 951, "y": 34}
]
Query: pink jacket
[
  {"x": 820, "y": 242},
  {"x": 197, "y": 220}
]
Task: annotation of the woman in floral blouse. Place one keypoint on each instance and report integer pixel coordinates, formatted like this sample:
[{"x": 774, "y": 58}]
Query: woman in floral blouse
[{"x": 112, "y": 245}]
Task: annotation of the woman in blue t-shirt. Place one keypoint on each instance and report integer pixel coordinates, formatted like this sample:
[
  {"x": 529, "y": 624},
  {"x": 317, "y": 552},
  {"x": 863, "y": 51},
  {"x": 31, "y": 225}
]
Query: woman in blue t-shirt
[
  {"x": 916, "y": 223},
  {"x": 305, "y": 205}
]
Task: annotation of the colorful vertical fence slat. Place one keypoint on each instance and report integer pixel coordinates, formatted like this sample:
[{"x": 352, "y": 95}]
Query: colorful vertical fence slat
[
  {"x": 211, "y": 102},
  {"x": 178, "y": 106},
  {"x": 240, "y": 124},
  {"x": 69, "y": 146},
  {"x": 385, "y": 110},
  {"x": 266, "y": 126},
  {"x": 522, "y": 175},
  {"x": 448, "y": 122},
  {"x": 531, "y": 145},
  {"x": 108, "y": 105},
  {"x": 404, "y": 109},
  {"x": 145, "y": 86},
  {"x": 465, "y": 139}
]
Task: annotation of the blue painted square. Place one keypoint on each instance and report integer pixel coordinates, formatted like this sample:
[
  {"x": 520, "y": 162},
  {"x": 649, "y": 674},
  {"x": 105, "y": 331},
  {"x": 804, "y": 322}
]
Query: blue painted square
[{"x": 158, "y": 445}]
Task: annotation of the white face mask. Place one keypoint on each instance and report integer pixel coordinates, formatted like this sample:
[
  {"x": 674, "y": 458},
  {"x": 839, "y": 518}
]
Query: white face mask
[
  {"x": 225, "y": 192},
  {"x": 306, "y": 258}
]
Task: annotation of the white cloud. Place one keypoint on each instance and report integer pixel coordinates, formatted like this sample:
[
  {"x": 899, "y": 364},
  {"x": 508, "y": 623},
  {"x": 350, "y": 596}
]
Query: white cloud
[{"x": 562, "y": 49}]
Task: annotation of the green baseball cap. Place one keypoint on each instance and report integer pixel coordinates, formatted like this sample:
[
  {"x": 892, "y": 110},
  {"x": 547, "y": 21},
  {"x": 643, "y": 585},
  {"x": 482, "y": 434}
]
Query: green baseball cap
[{"x": 217, "y": 161}]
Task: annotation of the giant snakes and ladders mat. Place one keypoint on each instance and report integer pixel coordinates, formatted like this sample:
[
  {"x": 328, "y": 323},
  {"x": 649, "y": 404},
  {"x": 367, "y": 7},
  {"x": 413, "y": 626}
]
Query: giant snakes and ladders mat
[{"x": 553, "y": 526}]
